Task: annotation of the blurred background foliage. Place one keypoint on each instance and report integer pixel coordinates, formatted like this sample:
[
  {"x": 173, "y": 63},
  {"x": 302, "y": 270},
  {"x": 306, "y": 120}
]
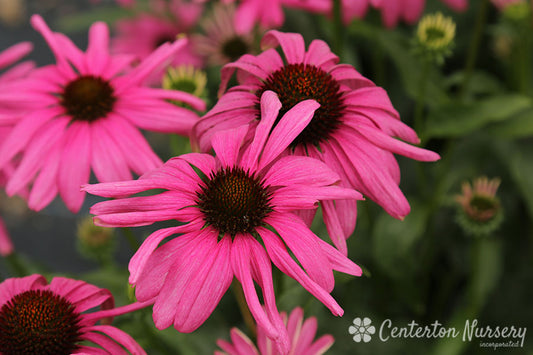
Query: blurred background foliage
[{"x": 424, "y": 268}]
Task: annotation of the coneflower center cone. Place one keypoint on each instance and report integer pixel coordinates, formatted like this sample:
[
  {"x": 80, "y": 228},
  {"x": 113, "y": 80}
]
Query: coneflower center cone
[
  {"x": 38, "y": 322},
  {"x": 88, "y": 98},
  {"x": 234, "y": 201},
  {"x": 297, "y": 82}
]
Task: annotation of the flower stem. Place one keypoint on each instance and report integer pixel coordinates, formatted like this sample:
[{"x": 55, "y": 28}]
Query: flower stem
[
  {"x": 243, "y": 306},
  {"x": 473, "y": 49},
  {"x": 338, "y": 27},
  {"x": 419, "y": 123}
]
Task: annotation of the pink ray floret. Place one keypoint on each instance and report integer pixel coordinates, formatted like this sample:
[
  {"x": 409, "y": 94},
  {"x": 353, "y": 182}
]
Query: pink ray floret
[
  {"x": 186, "y": 277},
  {"x": 354, "y": 134},
  {"x": 84, "y": 113},
  {"x": 66, "y": 303},
  {"x": 301, "y": 334}
]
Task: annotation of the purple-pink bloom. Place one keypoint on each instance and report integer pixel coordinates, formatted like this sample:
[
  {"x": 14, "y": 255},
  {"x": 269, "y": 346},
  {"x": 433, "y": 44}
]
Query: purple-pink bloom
[
  {"x": 142, "y": 35},
  {"x": 84, "y": 113},
  {"x": 227, "y": 204},
  {"x": 301, "y": 335},
  {"x": 409, "y": 10},
  {"x": 353, "y": 130},
  {"x": 221, "y": 43},
  {"x": 41, "y": 318}
]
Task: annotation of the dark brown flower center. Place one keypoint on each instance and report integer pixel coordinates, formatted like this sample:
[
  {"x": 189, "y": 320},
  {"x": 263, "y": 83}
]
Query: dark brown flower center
[
  {"x": 297, "y": 82},
  {"x": 88, "y": 98},
  {"x": 38, "y": 322},
  {"x": 234, "y": 48},
  {"x": 233, "y": 201}
]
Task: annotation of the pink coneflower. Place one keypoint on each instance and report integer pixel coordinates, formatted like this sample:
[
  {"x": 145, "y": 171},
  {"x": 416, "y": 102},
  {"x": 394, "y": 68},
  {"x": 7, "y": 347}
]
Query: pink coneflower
[
  {"x": 41, "y": 318},
  {"x": 301, "y": 335},
  {"x": 409, "y": 10},
  {"x": 352, "y": 131},
  {"x": 85, "y": 114},
  {"x": 227, "y": 203},
  {"x": 221, "y": 43},
  {"x": 142, "y": 35}
]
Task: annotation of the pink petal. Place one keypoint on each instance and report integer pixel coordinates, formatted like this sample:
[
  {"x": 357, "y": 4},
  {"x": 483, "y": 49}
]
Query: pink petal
[
  {"x": 97, "y": 57},
  {"x": 227, "y": 144},
  {"x": 270, "y": 106},
  {"x": 35, "y": 155},
  {"x": 242, "y": 344},
  {"x": 334, "y": 227},
  {"x": 292, "y": 44},
  {"x": 386, "y": 142},
  {"x": 150, "y": 276},
  {"x": 104, "y": 341},
  {"x": 241, "y": 262},
  {"x": 75, "y": 167},
  {"x": 292, "y": 170},
  {"x": 24, "y": 131},
  {"x": 119, "y": 336},
  {"x": 135, "y": 149},
  {"x": 44, "y": 188},
  {"x": 205, "y": 162},
  {"x": 282, "y": 259},
  {"x": 107, "y": 160},
  {"x": 319, "y": 54},
  {"x": 287, "y": 129},
  {"x": 303, "y": 243},
  {"x": 320, "y": 346},
  {"x": 184, "y": 270},
  {"x": 206, "y": 288},
  {"x": 13, "y": 286},
  {"x": 15, "y": 52}
]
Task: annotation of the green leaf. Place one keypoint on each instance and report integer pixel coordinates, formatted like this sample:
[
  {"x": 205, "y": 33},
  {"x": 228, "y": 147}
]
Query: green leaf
[
  {"x": 519, "y": 126},
  {"x": 394, "y": 239},
  {"x": 486, "y": 267},
  {"x": 459, "y": 119},
  {"x": 519, "y": 159}
]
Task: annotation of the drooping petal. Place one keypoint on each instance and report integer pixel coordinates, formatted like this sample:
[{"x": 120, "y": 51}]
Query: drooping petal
[{"x": 74, "y": 169}]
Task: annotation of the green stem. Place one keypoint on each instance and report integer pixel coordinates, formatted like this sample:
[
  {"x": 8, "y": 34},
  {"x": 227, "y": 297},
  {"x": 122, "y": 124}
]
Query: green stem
[
  {"x": 338, "y": 26},
  {"x": 243, "y": 306},
  {"x": 17, "y": 266},
  {"x": 421, "y": 100},
  {"x": 130, "y": 237},
  {"x": 379, "y": 65},
  {"x": 473, "y": 49}
]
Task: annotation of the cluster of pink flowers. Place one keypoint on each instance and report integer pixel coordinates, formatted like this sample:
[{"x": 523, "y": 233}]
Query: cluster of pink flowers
[
  {"x": 270, "y": 14},
  {"x": 297, "y": 131}
]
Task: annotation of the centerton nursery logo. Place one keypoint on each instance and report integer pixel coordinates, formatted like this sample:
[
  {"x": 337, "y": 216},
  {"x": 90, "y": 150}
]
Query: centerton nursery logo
[
  {"x": 488, "y": 336},
  {"x": 362, "y": 330}
]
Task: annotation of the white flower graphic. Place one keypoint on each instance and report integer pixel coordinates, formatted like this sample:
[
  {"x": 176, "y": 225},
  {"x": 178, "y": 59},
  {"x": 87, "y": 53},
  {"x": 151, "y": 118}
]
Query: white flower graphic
[{"x": 362, "y": 330}]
